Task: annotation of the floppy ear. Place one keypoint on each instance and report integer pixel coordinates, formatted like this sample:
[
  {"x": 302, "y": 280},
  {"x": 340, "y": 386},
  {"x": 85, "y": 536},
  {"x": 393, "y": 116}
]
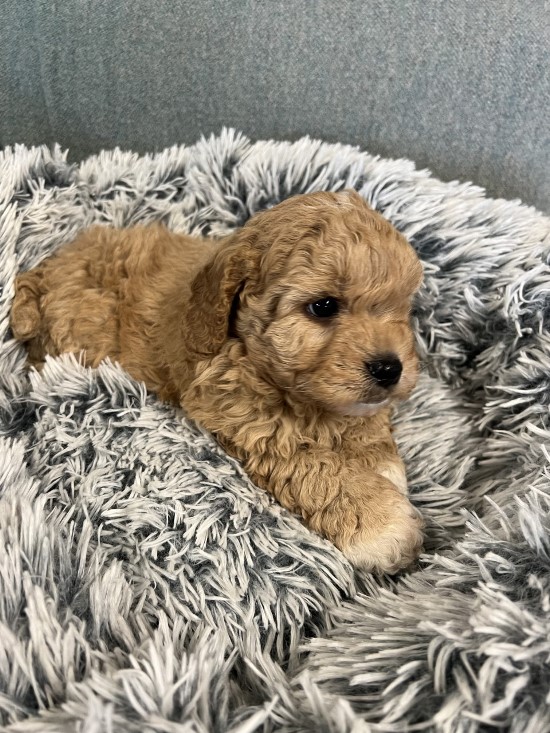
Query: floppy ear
[{"x": 213, "y": 290}]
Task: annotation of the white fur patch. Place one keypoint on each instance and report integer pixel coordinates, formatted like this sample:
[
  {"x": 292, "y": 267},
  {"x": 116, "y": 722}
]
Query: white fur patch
[
  {"x": 365, "y": 409},
  {"x": 395, "y": 547},
  {"x": 395, "y": 473}
]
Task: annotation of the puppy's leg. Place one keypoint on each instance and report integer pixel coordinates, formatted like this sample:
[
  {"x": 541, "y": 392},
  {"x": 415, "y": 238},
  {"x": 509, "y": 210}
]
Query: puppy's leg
[
  {"x": 371, "y": 522},
  {"x": 26, "y": 320},
  {"x": 343, "y": 497},
  {"x": 361, "y": 511},
  {"x": 54, "y": 314},
  {"x": 25, "y": 314}
]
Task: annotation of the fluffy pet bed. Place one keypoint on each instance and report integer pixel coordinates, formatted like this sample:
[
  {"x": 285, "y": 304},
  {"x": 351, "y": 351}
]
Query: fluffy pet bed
[{"x": 146, "y": 585}]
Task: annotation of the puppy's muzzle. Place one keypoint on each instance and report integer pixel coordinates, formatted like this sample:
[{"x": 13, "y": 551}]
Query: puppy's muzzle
[{"x": 385, "y": 371}]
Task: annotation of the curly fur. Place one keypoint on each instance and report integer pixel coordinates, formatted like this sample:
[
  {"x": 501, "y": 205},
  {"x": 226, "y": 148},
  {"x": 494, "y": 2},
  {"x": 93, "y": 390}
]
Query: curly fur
[{"x": 222, "y": 329}]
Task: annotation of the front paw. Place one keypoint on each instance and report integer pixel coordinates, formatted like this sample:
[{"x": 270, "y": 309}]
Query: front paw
[{"x": 386, "y": 539}]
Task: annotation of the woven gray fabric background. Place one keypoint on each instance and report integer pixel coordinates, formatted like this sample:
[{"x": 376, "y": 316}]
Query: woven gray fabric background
[
  {"x": 461, "y": 87},
  {"x": 146, "y": 585}
]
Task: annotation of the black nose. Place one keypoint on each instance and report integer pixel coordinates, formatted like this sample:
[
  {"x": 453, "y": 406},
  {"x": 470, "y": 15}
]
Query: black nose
[{"x": 386, "y": 371}]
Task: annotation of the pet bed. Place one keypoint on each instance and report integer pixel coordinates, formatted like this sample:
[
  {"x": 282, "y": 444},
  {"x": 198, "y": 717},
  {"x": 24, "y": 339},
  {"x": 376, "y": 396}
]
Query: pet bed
[{"x": 146, "y": 585}]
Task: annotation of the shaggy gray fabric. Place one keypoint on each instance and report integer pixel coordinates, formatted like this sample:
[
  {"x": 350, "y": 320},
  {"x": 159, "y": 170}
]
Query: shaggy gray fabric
[{"x": 146, "y": 585}]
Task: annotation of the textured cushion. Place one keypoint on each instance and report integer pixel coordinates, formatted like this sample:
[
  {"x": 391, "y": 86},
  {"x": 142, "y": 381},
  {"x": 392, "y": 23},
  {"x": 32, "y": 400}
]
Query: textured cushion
[{"x": 146, "y": 585}]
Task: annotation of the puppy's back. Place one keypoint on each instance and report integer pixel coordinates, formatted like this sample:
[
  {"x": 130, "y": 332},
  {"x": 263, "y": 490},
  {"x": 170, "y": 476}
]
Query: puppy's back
[{"x": 101, "y": 296}]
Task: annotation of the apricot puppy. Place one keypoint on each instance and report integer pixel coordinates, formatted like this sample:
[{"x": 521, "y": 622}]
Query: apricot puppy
[{"x": 289, "y": 340}]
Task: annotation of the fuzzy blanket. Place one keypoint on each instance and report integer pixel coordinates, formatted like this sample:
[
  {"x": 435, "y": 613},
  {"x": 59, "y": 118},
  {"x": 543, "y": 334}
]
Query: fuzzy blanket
[{"x": 146, "y": 585}]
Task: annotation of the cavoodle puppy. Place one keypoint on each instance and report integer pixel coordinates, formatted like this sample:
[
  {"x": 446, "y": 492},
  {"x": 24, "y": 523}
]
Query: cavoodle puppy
[{"x": 289, "y": 340}]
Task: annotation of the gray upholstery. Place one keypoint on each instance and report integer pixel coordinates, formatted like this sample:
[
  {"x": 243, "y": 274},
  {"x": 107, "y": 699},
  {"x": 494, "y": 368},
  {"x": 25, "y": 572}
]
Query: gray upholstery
[{"x": 462, "y": 87}]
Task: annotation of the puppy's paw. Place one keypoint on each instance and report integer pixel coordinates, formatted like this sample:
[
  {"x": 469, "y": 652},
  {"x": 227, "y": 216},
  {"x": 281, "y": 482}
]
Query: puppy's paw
[{"x": 389, "y": 546}]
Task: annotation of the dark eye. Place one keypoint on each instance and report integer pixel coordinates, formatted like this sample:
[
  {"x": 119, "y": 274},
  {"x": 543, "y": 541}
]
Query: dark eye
[{"x": 324, "y": 308}]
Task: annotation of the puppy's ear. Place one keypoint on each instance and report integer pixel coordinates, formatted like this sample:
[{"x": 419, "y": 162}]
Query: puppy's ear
[{"x": 213, "y": 291}]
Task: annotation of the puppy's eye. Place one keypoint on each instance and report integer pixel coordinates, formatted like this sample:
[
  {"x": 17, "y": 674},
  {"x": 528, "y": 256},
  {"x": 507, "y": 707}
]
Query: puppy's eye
[{"x": 324, "y": 308}]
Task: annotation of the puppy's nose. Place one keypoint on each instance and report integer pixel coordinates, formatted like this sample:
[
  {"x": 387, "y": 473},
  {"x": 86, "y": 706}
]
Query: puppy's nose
[{"x": 385, "y": 371}]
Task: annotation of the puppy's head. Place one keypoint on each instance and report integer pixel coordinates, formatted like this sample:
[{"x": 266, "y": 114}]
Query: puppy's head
[{"x": 320, "y": 290}]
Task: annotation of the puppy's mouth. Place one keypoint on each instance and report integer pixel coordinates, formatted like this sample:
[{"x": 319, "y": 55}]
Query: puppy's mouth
[{"x": 364, "y": 409}]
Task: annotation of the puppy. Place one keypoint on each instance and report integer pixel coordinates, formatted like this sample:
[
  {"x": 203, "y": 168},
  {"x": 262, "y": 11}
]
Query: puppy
[{"x": 289, "y": 340}]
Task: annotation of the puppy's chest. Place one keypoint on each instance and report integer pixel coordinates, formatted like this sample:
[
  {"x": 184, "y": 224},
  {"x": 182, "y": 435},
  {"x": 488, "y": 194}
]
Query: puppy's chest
[
  {"x": 351, "y": 437},
  {"x": 251, "y": 418},
  {"x": 282, "y": 434}
]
